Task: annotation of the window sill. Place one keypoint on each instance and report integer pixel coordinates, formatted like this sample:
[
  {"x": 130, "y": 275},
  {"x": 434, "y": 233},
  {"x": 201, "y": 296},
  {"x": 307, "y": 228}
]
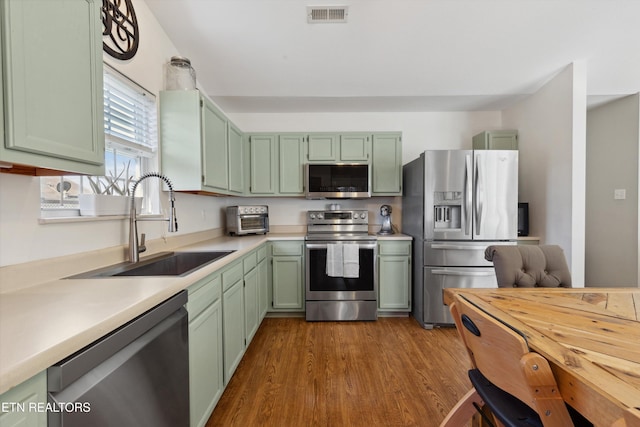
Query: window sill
[{"x": 59, "y": 220}]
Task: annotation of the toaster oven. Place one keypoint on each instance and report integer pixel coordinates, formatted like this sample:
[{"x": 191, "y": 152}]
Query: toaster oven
[{"x": 243, "y": 220}]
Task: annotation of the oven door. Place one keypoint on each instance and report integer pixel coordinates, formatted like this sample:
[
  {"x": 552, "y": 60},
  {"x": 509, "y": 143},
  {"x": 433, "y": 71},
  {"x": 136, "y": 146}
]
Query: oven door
[
  {"x": 248, "y": 224},
  {"x": 322, "y": 287}
]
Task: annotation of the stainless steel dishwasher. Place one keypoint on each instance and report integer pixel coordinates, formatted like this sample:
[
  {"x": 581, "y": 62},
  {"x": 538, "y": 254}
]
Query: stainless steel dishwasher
[{"x": 137, "y": 375}]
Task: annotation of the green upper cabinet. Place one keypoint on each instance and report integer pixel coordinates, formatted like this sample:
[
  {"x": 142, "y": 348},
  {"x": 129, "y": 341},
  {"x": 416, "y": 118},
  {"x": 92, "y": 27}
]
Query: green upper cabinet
[
  {"x": 322, "y": 147},
  {"x": 236, "y": 177},
  {"x": 52, "y": 84},
  {"x": 496, "y": 140},
  {"x": 347, "y": 147},
  {"x": 263, "y": 166},
  {"x": 355, "y": 147},
  {"x": 215, "y": 147},
  {"x": 290, "y": 171},
  {"x": 275, "y": 164},
  {"x": 386, "y": 165},
  {"x": 201, "y": 149}
]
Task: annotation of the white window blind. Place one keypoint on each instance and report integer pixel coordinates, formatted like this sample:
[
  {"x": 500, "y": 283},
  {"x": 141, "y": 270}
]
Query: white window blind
[{"x": 130, "y": 117}]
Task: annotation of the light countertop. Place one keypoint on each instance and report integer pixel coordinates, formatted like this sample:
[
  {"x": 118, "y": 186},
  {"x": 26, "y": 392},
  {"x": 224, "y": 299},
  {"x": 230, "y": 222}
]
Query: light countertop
[{"x": 44, "y": 323}]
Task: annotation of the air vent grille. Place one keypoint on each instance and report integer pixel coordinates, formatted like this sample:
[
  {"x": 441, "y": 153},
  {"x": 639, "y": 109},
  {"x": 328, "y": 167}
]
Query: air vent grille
[{"x": 327, "y": 14}]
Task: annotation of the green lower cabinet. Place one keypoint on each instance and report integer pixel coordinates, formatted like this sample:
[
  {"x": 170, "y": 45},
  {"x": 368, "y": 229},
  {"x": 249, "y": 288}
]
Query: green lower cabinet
[
  {"x": 21, "y": 403},
  {"x": 251, "y": 313},
  {"x": 394, "y": 276},
  {"x": 233, "y": 321},
  {"x": 206, "y": 373},
  {"x": 287, "y": 266},
  {"x": 206, "y": 370},
  {"x": 263, "y": 289}
]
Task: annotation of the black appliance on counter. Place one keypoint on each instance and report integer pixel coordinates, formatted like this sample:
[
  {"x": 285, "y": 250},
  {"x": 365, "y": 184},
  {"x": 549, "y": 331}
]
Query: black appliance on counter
[{"x": 523, "y": 219}]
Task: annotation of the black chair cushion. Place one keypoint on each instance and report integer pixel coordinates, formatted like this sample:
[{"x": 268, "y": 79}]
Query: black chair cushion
[
  {"x": 511, "y": 411},
  {"x": 507, "y": 408}
]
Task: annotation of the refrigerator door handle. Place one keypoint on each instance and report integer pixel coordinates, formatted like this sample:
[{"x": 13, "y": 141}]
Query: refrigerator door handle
[
  {"x": 479, "y": 198},
  {"x": 463, "y": 273},
  {"x": 459, "y": 247},
  {"x": 468, "y": 171}
]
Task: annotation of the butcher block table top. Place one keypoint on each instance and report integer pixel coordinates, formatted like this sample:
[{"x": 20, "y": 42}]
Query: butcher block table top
[{"x": 590, "y": 336}]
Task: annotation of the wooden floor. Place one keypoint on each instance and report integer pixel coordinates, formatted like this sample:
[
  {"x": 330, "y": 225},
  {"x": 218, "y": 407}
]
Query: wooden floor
[{"x": 391, "y": 372}]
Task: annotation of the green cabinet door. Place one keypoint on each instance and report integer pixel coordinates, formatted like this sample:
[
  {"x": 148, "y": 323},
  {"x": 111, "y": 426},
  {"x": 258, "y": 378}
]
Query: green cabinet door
[
  {"x": 180, "y": 125},
  {"x": 386, "y": 167},
  {"x": 233, "y": 326},
  {"x": 322, "y": 147},
  {"x": 355, "y": 147},
  {"x": 52, "y": 81},
  {"x": 251, "y": 315},
  {"x": 263, "y": 166},
  {"x": 394, "y": 276},
  {"x": 287, "y": 283},
  {"x": 263, "y": 289},
  {"x": 291, "y": 163},
  {"x": 496, "y": 140},
  {"x": 236, "y": 177},
  {"x": 215, "y": 147},
  {"x": 31, "y": 392},
  {"x": 206, "y": 370}
]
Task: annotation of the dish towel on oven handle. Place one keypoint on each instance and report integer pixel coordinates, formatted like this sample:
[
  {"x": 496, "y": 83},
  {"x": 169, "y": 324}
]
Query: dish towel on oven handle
[
  {"x": 334, "y": 260},
  {"x": 351, "y": 260}
]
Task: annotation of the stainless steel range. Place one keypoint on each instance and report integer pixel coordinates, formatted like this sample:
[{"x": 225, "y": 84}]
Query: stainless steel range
[{"x": 341, "y": 283}]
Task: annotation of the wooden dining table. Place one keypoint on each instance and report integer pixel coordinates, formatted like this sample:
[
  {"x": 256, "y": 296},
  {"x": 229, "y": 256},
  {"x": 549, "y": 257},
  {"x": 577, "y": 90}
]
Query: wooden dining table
[{"x": 590, "y": 336}]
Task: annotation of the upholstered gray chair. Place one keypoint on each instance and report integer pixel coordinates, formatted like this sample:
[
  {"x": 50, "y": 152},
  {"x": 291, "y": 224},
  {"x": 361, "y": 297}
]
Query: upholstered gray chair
[{"x": 528, "y": 266}]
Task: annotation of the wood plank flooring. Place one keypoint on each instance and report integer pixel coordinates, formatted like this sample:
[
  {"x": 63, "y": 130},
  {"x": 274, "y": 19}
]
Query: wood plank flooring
[{"x": 391, "y": 372}]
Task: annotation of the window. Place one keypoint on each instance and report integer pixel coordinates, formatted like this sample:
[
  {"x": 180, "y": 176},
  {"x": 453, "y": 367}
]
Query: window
[{"x": 130, "y": 127}]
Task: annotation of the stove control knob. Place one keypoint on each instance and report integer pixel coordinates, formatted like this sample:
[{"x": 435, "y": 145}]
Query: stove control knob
[
  {"x": 320, "y": 215},
  {"x": 312, "y": 216},
  {"x": 363, "y": 215}
]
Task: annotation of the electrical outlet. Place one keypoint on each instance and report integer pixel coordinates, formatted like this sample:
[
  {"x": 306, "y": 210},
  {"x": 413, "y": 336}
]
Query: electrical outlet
[{"x": 619, "y": 194}]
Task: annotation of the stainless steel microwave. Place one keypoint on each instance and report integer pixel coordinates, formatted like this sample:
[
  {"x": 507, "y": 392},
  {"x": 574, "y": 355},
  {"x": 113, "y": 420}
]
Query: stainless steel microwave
[{"x": 337, "y": 181}]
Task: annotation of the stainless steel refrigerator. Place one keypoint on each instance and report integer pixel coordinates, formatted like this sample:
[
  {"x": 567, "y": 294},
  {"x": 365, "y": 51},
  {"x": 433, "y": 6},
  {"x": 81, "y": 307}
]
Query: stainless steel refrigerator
[{"x": 455, "y": 204}]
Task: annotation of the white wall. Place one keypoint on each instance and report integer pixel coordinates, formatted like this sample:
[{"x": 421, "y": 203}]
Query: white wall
[
  {"x": 552, "y": 126},
  {"x": 613, "y": 136}
]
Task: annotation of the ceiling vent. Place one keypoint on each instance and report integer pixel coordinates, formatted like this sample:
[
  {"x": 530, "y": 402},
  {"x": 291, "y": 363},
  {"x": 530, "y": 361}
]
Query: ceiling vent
[{"x": 327, "y": 14}]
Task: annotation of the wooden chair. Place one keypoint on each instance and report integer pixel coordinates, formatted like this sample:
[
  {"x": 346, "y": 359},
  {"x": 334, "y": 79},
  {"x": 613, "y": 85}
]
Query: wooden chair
[
  {"x": 631, "y": 418},
  {"x": 515, "y": 383}
]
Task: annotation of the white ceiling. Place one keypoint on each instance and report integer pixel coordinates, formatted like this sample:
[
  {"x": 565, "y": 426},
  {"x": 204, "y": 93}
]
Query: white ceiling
[{"x": 401, "y": 55}]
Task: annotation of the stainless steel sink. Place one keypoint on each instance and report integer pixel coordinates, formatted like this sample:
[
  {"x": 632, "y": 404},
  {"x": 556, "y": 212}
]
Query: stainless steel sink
[{"x": 166, "y": 264}]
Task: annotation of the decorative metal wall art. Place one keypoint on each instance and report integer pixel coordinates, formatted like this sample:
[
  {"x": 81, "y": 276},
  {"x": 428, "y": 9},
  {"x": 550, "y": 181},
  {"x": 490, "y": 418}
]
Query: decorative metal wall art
[{"x": 120, "y": 35}]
